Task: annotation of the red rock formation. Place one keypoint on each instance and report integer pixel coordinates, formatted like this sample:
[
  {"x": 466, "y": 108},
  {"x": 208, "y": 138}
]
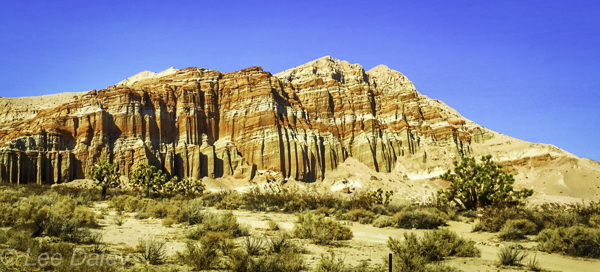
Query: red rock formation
[{"x": 196, "y": 122}]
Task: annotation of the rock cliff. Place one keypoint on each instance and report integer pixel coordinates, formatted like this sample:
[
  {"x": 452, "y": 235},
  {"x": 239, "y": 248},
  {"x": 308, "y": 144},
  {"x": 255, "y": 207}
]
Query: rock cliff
[{"x": 301, "y": 123}]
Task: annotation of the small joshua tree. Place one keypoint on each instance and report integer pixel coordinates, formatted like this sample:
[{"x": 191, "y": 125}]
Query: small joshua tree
[
  {"x": 186, "y": 186},
  {"x": 105, "y": 175},
  {"x": 150, "y": 178},
  {"x": 476, "y": 185},
  {"x": 382, "y": 197}
]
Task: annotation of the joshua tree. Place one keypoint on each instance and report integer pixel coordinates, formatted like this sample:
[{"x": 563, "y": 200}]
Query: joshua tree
[
  {"x": 151, "y": 179},
  {"x": 106, "y": 176},
  {"x": 476, "y": 185}
]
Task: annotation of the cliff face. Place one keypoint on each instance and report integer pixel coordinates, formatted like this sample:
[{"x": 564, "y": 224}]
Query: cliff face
[{"x": 195, "y": 122}]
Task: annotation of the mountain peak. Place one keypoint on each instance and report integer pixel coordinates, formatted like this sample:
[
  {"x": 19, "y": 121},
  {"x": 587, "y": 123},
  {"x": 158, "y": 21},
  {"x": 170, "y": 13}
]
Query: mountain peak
[
  {"x": 145, "y": 75},
  {"x": 326, "y": 68}
]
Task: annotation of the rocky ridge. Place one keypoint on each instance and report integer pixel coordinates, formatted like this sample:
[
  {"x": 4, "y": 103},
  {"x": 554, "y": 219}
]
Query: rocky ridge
[{"x": 300, "y": 124}]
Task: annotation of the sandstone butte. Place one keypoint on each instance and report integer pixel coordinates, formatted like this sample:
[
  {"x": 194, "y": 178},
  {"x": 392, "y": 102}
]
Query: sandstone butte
[{"x": 301, "y": 124}]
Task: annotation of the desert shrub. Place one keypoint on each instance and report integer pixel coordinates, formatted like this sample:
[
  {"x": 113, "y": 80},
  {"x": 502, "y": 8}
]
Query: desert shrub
[
  {"x": 281, "y": 243},
  {"x": 381, "y": 209},
  {"x": 449, "y": 243},
  {"x": 511, "y": 233},
  {"x": 320, "y": 229},
  {"x": 359, "y": 200},
  {"x": 199, "y": 256},
  {"x": 533, "y": 264},
  {"x": 361, "y": 215},
  {"x": 231, "y": 200},
  {"x": 152, "y": 251},
  {"x": 219, "y": 222},
  {"x": 517, "y": 229},
  {"x": 118, "y": 219},
  {"x": 524, "y": 225},
  {"x": 280, "y": 262},
  {"x": 177, "y": 211},
  {"x": 10, "y": 194},
  {"x": 329, "y": 263},
  {"x": 493, "y": 219},
  {"x": 413, "y": 254},
  {"x": 125, "y": 203},
  {"x": 153, "y": 208},
  {"x": 575, "y": 241},
  {"x": 254, "y": 246},
  {"x": 408, "y": 254},
  {"x": 555, "y": 215},
  {"x": 383, "y": 221},
  {"x": 595, "y": 220},
  {"x": 3, "y": 237},
  {"x": 21, "y": 240},
  {"x": 6, "y": 214},
  {"x": 511, "y": 255},
  {"x": 209, "y": 253},
  {"x": 418, "y": 220},
  {"x": 84, "y": 216},
  {"x": 196, "y": 211},
  {"x": 84, "y": 236}
]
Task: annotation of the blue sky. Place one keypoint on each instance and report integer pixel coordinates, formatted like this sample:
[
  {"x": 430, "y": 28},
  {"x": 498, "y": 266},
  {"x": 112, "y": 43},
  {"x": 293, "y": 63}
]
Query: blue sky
[{"x": 528, "y": 69}]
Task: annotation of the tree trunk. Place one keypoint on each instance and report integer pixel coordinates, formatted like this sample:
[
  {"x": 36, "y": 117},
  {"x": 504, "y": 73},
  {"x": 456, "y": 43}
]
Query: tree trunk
[{"x": 104, "y": 189}]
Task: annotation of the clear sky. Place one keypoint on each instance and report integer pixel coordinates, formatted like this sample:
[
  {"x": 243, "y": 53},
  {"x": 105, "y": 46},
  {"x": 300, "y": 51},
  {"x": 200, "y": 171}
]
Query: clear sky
[{"x": 529, "y": 69}]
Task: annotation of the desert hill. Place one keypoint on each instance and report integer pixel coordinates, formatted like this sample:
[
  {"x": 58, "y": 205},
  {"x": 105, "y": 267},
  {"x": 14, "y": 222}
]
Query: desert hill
[{"x": 326, "y": 121}]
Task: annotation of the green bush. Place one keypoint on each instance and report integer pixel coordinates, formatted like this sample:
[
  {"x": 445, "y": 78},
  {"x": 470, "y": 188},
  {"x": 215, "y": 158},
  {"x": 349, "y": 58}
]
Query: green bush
[
  {"x": 575, "y": 241},
  {"x": 418, "y": 220},
  {"x": 383, "y": 221},
  {"x": 320, "y": 229}
]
